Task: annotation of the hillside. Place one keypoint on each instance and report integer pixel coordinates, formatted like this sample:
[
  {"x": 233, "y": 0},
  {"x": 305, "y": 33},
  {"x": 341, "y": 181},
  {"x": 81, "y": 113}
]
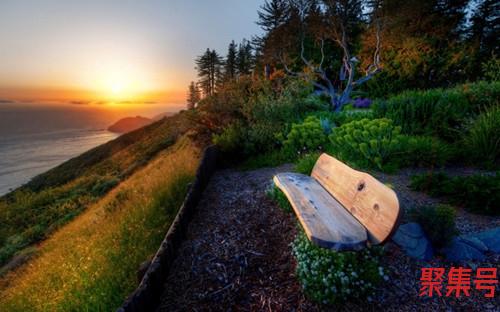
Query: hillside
[
  {"x": 90, "y": 264},
  {"x": 30, "y": 213},
  {"x": 128, "y": 124}
]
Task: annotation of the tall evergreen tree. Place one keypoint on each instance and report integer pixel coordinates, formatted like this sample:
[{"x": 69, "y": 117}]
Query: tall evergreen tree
[
  {"x": 230, "y": 66},
  {"x": 244, "y": 58},
  {"x": 485, "y": 29},
  {"x": 209, "y": 70},
  {"x": 193, "y": 95},
  {"x": 273, "y": 14}
]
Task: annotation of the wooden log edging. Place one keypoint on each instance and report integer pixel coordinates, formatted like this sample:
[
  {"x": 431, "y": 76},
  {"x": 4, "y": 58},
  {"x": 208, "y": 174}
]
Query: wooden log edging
[{"x": 146, "y": 296}]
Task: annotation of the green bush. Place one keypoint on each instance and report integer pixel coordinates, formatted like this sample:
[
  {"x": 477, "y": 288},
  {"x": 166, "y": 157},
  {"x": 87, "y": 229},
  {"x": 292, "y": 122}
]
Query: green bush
[
  {"x": 306, "y": 163},
  {"x": 345, "y": 116},
  {"x": 330, "y": 277},
  {"x": 482, "y": 140},
  {"x": 481, "y": 95},
  {"x": 491, "y": 69},
  {"x": 477, "y": 193},
  {"x": 275, "y": 194},
  {"x": 423, "y": 151},
  {"x": 438, "y": 223},
  {"x": 306, "y": 136},
  {"x": 438, "y": 112},
  {"x": 231, "y": 138},
  {"x": 369, "y": 142},
  {"x": 435, "y": 112}
]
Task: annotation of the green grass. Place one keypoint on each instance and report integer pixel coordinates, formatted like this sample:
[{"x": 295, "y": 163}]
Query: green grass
[
  {"x": 31, "y": 213},
  {"x": 90, "y": 264},
  {"x": 476, "y": 193}
]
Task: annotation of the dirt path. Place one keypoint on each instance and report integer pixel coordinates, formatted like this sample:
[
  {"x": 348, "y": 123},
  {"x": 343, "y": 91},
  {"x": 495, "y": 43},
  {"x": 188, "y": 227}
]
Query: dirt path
[{"x": 237, "y": 255}]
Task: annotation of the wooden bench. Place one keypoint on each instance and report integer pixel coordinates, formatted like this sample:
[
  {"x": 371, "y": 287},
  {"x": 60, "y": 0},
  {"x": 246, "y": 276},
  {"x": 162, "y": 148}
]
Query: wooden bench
[{"x": 341, "y": 208}]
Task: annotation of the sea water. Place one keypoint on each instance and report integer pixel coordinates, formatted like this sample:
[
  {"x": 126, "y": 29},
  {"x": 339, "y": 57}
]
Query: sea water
[{"x": 23, "y": 156}]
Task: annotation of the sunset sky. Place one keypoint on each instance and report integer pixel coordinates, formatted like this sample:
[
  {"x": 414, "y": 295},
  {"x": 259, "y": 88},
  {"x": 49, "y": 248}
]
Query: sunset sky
[{"x": 113, "y": 50}]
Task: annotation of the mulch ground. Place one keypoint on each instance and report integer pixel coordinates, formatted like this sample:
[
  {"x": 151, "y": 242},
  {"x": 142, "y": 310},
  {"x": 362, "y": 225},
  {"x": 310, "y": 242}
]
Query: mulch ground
[{"x": 237, "y": 255}]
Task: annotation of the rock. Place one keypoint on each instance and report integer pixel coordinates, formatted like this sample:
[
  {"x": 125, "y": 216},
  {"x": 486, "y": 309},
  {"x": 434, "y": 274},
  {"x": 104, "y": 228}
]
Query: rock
[
  {"x": 460, "y": 249},
  {"x": 412, "y": 239},
  {"x": 491, "y": 238},
  {"x": 474, "y": 242}
]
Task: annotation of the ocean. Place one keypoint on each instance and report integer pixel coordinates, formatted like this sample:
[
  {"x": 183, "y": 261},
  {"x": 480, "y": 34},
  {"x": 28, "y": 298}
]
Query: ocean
[{"x": 23, "y": 156}]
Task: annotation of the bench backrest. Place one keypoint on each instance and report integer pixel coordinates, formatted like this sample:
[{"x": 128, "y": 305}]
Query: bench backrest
[{"x": 372, "y": 203}]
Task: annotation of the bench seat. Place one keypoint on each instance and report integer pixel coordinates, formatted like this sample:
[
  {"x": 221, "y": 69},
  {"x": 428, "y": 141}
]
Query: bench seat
[
  {"x": 339, "y": 207},
  {"x": 325, "y": 221}
]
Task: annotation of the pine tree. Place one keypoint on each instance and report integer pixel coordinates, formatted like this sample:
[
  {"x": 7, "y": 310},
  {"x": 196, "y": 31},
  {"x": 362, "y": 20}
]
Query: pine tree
[
  {"x": 485, "y": 28},
  {"x": 272, "y": 14},
  {"x": 244, "y": 58},
  {"x": 230, "y": 68},
  {"x": 209, "y": 66},
  {"x": 193, "y": 95}
]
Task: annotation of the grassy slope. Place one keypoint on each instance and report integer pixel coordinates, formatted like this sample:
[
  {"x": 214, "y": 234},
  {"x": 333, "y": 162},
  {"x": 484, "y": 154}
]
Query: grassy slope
[
  {"x": 29, "y": 214},
  {"x": 91, "y": 263}
]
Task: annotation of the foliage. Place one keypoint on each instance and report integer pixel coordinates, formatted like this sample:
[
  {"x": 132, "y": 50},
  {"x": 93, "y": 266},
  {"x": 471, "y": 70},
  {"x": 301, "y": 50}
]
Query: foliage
[
  {"x": 435, "y": 112},
  {"x": 209, "y": 67},
  {"x": 306, "y": 163},
  {"x": 369, "y": 142},
  {"x": 482, "y": 140},
  {"x": 491, "y": 69},
  {"x": 306, "y": 136},
  {"x": 438, "y": 112},
  {"x": 275, "y": 194},
  {"x": 91, "y": 263},
  {"x": 231, "y": 137},
  {"x": 330, "y": 277},
  {"x": 476, "y": 193},
  {"x": 193, "y": 96},
  {"x": 425, "y": 151},
  {"x": 438, "y": 223}
]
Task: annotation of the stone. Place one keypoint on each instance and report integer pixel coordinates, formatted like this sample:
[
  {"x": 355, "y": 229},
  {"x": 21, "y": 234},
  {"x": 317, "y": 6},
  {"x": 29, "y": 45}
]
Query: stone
[
  {"x": 411, "y": 238},
  {"x": 460, "y": 250},
  {"x": 474, "y": 242},
  {"x": 491, "y": 238}
]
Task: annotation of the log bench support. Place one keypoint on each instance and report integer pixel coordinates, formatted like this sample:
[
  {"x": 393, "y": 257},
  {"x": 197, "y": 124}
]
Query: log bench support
[{"x": 341, "y": 208}]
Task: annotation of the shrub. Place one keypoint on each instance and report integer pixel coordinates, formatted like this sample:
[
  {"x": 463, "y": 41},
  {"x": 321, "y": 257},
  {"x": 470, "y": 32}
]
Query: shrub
[
  {"x": 370, "y": 141},
  {"x": 330, "y": 277},
  {"x": 423, "y": 151},
  {"x": 306, "y": 163},
  {"x": 433, "y": 112},
  {"x": 482, "y": 141},
  {"x": 306, "y": 136},
  {"x": 491, "y": 69},
  {"x": 477, "y": 193},
  {"x": 275, "y": 194},
  {"x": 481, "y": 95},
  {"x": 438, "y": 223},
  {"x": 231, "y": 138}
]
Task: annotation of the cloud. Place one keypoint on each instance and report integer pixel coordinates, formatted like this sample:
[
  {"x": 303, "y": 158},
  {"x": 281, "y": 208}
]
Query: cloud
[
  {"x": 5, "y": 101},
  {"x": 80, "y": 102}
]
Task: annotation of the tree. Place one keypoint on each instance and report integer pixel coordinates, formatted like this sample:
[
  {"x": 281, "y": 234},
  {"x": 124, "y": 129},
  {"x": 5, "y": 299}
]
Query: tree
[
  {"x": 485, "y": 31},
  {"x": 244, "y": 58},
  {"x": 423, "y": 45},
  {"x": 336, "y": 20},
  {"x": 273, "y": 14},
  {"x": 230, "y": 66},
  {"x": 193, "y": 95},
  {"x": 209, "y": 66}
]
